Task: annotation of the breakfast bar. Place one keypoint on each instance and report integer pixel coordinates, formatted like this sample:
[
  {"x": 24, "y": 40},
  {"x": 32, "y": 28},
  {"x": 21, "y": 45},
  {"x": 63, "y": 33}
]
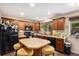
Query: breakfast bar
[{"x": 34, "y": 43}]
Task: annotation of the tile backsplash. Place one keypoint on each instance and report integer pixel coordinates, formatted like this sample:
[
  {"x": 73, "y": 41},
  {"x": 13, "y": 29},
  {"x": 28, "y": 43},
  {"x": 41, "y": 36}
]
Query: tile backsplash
[{"x": 58, "y": 33}]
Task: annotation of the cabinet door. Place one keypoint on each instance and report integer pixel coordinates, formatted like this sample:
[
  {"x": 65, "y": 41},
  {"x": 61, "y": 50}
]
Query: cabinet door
[
  {"x": 60, "y": 45},
  {"x": 21, "y": 25},
  {"x": 61, "y": 24},
  {"x": 58, "y": 24},
  {"x": 37, "y": 26},
  {"x": 55, "y": 24},
  {"x": 33, "y": 25}
]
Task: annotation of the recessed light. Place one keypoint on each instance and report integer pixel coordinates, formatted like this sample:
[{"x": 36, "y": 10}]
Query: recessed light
[
  {"x": 22, "y": 14},
  {"x": 32, "y": 4},
  {"x": 37, "y": 17},
  {"x": 49, "y": 13}
]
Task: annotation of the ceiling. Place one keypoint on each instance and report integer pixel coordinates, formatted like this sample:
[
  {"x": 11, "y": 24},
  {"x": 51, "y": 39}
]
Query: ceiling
[{"x": 39, "y": 12}]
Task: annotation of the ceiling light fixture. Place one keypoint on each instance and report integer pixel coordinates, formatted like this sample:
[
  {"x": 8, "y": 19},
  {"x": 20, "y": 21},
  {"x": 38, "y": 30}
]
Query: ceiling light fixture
[
  {"x": 22, "y": 14},
  {"x": 32, "y": 4}
]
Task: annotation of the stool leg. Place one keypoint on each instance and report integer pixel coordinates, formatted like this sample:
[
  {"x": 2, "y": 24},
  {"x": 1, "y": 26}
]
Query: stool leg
[
  {"x": 53, "y": 54},
  {"x": 41, "y": 54},
  {"x": 15, "y": 52}
]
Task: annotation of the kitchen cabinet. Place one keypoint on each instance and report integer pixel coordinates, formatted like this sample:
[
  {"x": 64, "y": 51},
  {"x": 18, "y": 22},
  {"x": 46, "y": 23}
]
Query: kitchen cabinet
[
  {"x": 36, "y": 26},
  {"x": 58, "y": 24},
  {"x": 55, "y": 26},
  {"x": 60, "y": 44},
  {"x": 21, "y": 23}
]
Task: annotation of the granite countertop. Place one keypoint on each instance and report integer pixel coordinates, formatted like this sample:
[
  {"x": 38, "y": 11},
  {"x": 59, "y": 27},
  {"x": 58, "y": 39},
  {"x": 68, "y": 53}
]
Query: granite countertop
[
  {"x": 34, "y": 43},
  {"x": 62, "y": 38},
  {"x": 52, "y": 36}
]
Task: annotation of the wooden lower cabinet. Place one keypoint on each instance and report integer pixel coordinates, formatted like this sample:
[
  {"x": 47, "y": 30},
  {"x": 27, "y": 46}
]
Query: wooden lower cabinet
[{"x": 60, "y": 45}]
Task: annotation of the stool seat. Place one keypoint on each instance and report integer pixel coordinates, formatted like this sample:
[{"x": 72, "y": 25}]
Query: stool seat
[
  {"x": 18, "y": 46},
  {"x": 21, "y": 36},
  {"x": 48, "y": 50},
  {"x": 25, "y": 52}
]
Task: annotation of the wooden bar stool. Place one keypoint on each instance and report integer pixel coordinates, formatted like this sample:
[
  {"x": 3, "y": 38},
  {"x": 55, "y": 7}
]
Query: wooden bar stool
[
  {"x": 17, "y": 46},
  {"x": 25, "y": 52},
  {"x": 48, "y": 50}
]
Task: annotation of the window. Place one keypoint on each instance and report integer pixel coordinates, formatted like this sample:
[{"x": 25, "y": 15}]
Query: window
[
  {"x": 74, "y": 27},
  {"x": 74, "y": 22}
]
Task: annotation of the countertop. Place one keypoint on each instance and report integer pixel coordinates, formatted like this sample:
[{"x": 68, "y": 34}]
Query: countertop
[
  {"x": 52, "y": 36},
  {"x": 34, "y": 43},
  {"x": 64, "y": 38}
]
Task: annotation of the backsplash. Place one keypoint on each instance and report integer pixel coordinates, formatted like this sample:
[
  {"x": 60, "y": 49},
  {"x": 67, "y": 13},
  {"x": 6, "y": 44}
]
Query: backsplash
[{"x": 59, "y": 33}]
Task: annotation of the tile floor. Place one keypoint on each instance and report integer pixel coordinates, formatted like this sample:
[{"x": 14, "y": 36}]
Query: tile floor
[{"x": 56, "y": 54}]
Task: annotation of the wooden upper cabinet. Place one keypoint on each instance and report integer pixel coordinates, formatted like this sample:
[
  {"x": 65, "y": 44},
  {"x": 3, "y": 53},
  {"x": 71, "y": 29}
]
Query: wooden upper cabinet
[
  {"x": 21, "y": 24},
  {"x": 61, "y": 23},
  {"x": 58, "y": 24},
  {"x": 37, "y": 26},
  {"x": 55, "y": 24},
  {"x": 33, "y": 26}
]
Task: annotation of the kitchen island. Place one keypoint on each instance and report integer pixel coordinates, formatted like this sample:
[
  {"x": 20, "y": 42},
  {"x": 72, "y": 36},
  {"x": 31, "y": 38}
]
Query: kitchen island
[{"x": 34, "y": 43}]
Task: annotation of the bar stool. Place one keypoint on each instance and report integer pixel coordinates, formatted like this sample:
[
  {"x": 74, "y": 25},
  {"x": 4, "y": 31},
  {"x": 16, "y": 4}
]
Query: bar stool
[
  {"x": 48, "y": 50},
  {"x": 25, "y": 52},
  {"x": 17, "y": 46}
]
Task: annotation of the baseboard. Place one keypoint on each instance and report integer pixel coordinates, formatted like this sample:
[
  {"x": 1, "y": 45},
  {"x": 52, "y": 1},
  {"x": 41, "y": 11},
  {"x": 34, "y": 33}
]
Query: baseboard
[{"x": 74, "y": 52}]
